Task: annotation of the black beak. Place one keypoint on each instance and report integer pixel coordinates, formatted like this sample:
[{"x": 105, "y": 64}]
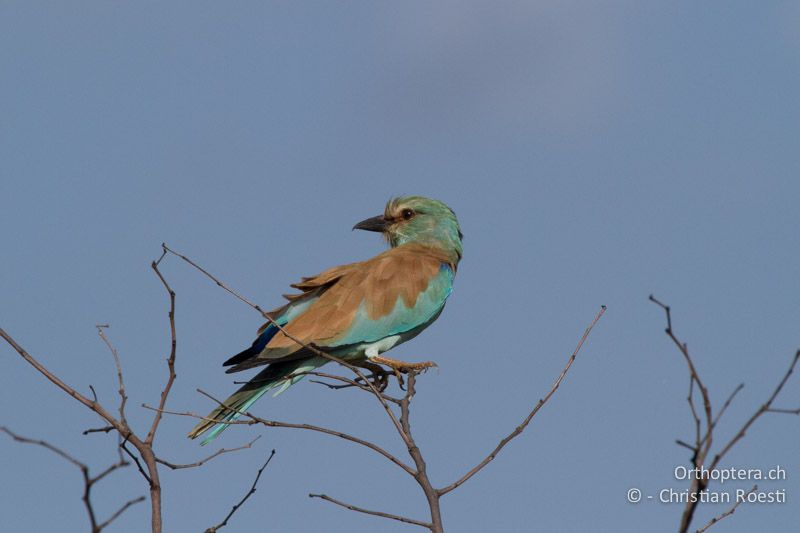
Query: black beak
[{"x": 378, "y": 223}]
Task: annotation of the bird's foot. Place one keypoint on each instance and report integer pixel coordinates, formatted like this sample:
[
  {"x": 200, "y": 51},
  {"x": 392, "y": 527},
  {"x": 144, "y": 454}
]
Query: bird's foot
[
  {"x": 378, "y": 378},
  {"x": 404, "y": 367}
]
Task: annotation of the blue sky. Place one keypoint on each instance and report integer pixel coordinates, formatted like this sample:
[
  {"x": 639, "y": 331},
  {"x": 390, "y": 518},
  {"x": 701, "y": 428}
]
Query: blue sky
[{"x": 594, "y": 152}]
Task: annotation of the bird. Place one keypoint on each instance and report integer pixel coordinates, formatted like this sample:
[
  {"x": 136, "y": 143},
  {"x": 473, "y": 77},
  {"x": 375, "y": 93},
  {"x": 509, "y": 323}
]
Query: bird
[{"x": 355, "y": 312}]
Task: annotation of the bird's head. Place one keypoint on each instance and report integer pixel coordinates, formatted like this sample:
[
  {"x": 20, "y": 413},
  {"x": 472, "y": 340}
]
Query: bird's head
[{"x": 420, "y": 220}]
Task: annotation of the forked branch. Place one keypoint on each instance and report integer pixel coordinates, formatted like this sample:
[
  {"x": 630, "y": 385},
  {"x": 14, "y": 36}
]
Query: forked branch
[
  {"x": 144, "y": 455},
  {"x": 88, "y": 480},
  {"x": 704, "y": 431}
]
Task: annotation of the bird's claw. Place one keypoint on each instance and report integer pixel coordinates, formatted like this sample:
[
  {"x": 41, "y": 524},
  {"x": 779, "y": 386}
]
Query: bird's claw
[
  {"x": 380, "y": 381},
  {"x": 404, "y": 367}
]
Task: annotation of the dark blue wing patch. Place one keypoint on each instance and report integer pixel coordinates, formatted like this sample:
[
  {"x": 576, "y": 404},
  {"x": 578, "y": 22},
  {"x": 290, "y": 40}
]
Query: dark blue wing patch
[{"x": 258, "y": 346}]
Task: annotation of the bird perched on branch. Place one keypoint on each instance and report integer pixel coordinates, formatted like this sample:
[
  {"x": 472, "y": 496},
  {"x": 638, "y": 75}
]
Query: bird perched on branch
[{"x": 355, "y": 312}]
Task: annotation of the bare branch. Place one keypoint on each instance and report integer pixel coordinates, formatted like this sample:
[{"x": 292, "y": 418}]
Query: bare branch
[
  {"x": 703, "y": 442},
  {"x": 760, "y": 411},
  {"x": 144, "y": 455},
  {"x": 695, "y": 418},
  {"x": 198, "y": 417},
  {"x": 335, "y": 433},
  {"x": 119, "y": 511},
  {"x": 684, "y": 349},
  {"x": 348, "y": 383},
  {"x": 121, "y": 428},
  {"x": 118, "y": 363},
  {"x": 98, "y": 430},
  {"x": 728, "y": 512},
  {"x": 236, "y": 507},
  {"x": 144, "y": 448},
  {"x": 421, "y": 475},
  {"x": 373, "y": 513},
  {"x": 173, "y": 346},
  {"x": 88, "y": 480},
  {"x": 784, "y": 411},
  {"x": 220, "y": 284},
  {"x": 136, "y": 460},
  {"x": 318, "y": 429},
  {"x": 519, "y": 429},
  {"x": 93, "y": 405},
  {"x": 201, "y": 462},
  {"x": 44, "y": 444},
  {"x": 727, "y": 403}
]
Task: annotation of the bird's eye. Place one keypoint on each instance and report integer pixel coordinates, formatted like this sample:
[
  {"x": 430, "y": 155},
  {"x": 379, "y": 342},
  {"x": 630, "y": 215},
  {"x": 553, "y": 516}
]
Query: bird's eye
[{"x": 407, "y": 214}]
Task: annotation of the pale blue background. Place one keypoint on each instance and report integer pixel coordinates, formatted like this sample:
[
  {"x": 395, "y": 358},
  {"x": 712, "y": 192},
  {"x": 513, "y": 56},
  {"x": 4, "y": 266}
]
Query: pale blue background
[{"x": 595, "y": 152}]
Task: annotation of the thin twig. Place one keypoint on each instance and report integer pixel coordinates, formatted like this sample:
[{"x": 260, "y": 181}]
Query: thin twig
[
  {"x": 318, "y": 429},
  {"x": 519, "y": 429},
  {"x": 347, "y": 383},
  {"x": 148, "y": 465},
  {"x": 373, "y": 513},
  {"x": 784, "y": 411},
  {"x": 120, "y": 511},
  {"x": 136, "y": 460},
  {"x": 684, "y": 349},
  {"x": 91, "y": 404},
  {"x": 122, "y": 429},
  {"x": 703, "y": 442},
  {"x": 760, "y": 411},
  {"x": 421, "y": 475},
  {"x": 695, "y": 418},
  {"x": 88, "y": 480},
  {"x": 728, "y": 512},
  {"x": 253, "y": 419},
  {"x": 206, "y": 418},
  {"x": 172, "y": 351},
  {"x": 118, "y": 363},
  {"x": 43, "y": 444},
  {"x": 98, "y": 430},
  {"x": 214, "y": 529},
  {"x": 727, "y": 403},
  {"x": 201, "y": 462}
]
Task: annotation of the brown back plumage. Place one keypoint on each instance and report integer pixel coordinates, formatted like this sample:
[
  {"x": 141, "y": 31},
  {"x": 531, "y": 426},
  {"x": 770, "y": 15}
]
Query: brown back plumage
[{"x": 401, "y": 272}]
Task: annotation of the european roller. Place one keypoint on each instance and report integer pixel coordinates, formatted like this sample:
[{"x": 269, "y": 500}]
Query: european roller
[{"x": 355, "y": 312}]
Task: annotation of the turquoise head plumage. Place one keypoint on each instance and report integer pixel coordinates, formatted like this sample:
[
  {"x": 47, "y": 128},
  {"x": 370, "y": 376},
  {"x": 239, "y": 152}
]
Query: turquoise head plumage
[{"x": 418, "y": 220}]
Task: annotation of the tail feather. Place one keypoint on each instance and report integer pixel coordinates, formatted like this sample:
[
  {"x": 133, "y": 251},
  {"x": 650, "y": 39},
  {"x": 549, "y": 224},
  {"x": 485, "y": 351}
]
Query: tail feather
[{"x": 277, "y": 375}]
